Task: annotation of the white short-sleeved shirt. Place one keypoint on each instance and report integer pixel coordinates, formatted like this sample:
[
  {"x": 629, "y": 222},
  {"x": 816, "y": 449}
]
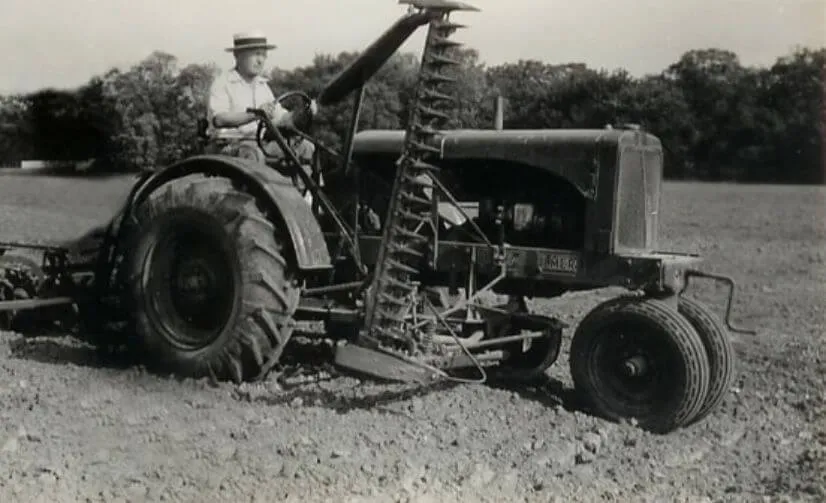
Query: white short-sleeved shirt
[{"x": 231, "y": 93}]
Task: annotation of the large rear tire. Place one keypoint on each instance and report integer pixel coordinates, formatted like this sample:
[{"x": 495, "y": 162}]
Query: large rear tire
[
  {"x": 211, "y": 291},
  {"x": 640, "y": 359},
  {"x": 718, "y": 347}
]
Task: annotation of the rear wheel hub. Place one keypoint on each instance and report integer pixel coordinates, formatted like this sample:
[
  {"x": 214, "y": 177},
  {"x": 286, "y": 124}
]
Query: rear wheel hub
[{"x": 193, "y": 286}]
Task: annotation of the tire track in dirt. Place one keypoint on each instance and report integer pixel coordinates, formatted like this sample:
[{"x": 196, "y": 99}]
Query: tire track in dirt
[
  {"x": 75, "y": 428},
  {"x": 131, "y": 434}
]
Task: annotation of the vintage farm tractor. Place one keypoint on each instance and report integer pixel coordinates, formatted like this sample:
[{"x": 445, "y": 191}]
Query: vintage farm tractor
[{"x": 214, "y": 260}]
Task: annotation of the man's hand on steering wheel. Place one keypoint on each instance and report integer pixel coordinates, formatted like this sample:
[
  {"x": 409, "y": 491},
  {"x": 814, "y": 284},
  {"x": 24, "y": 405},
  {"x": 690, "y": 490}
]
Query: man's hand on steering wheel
[
  {"x": 274, "y": 115},
  {"x": 276, "y": 122},
  {"x": 279, "y": 115}
]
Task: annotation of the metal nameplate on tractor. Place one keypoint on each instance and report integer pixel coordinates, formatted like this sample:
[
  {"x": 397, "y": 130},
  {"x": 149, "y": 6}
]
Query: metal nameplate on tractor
[{"x": 558, "y": 262}]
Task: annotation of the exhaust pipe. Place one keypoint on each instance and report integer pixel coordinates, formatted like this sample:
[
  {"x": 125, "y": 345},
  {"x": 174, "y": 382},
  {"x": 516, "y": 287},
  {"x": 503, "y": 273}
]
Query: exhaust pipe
[{"x": 499, "y": 113}]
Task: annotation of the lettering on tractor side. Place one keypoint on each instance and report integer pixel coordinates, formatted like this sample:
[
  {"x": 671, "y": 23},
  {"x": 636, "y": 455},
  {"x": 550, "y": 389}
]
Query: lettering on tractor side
[
  {"x": 558, "y": 262},
  {"x": 216, "y": 261}
]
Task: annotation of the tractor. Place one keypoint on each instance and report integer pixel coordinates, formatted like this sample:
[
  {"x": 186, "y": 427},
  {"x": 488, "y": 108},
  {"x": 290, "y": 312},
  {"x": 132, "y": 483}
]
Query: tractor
[{"x": 214, "y": 262}]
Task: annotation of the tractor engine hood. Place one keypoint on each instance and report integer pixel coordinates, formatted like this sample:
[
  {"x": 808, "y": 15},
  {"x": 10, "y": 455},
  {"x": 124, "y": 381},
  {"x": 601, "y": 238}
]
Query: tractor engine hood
[{"x": 573, "y": 154}]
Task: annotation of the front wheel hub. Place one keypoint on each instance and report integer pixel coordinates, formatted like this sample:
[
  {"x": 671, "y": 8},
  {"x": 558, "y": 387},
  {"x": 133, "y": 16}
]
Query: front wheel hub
[{"x": 636, "y": 366}]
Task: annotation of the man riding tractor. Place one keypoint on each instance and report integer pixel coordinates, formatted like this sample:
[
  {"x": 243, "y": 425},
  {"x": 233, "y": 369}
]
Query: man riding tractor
[{"x": 231, "y": 129}]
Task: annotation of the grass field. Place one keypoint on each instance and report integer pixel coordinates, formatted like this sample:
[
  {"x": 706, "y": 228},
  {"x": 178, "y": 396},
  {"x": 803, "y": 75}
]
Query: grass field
[
  {"x": 97, "y": 432},
  {"x": 44, "y": 208}
]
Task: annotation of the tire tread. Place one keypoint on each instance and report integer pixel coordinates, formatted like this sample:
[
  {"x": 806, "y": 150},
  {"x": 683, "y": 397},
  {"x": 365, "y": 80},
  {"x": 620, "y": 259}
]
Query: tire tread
[
  {"x": 718, "y": 347},
  {"x": 664, "y": 318},
  {"x": 268, "y": 290}
]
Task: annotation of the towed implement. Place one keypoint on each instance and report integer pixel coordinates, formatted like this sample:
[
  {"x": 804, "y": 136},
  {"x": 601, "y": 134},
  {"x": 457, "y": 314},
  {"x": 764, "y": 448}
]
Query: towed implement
[{"x": 417, "y": 249}]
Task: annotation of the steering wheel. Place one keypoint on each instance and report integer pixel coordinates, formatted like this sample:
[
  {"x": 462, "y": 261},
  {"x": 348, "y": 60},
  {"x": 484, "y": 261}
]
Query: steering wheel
[
  {"x": 267, "y": 130},
  {"x": 302, "y": 125},
  {"x": 302, "y": 118}
]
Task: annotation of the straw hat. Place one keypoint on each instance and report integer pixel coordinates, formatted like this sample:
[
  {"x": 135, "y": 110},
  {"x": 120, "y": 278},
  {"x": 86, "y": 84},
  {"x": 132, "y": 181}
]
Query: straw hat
[{"x": 249, "y": 40}]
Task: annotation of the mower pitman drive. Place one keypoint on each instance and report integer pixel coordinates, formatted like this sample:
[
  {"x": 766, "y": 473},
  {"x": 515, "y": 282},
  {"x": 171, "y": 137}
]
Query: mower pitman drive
[{"x": 213, "y": 260}]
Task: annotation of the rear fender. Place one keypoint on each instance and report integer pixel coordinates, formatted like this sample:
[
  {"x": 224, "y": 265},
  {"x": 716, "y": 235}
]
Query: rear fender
[{"x": 276, "y": 191}]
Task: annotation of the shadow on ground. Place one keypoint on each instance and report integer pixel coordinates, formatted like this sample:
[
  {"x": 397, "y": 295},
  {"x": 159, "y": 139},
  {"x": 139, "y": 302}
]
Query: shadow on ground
[
  {"x": 63, "y": 350},
  {"x": 306, "y": 378},
  {"x": 548, "y": 392},
  {"x": 321, "y": 387}
]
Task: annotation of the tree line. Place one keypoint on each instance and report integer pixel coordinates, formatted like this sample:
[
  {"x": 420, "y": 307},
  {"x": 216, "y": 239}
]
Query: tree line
[{"x": 717, "y": 118}]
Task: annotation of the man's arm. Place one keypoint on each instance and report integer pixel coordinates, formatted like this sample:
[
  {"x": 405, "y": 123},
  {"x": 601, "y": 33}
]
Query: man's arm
[
  {"x": 219, "y": 108},
  {"x": 278, "y": 114},
  {"x": 231, "y": 119}
]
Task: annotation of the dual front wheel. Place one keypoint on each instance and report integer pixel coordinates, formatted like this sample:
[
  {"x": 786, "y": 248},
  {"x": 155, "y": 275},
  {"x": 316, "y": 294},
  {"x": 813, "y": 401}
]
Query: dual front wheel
[{"x": 643, "y": 359}]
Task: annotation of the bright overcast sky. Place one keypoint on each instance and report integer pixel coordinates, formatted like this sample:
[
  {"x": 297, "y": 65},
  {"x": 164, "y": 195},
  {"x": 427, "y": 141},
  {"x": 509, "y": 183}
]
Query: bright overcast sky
[{"x": 63, "y": 43}]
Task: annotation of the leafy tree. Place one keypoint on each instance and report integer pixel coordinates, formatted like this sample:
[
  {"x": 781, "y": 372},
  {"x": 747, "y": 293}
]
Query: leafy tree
[
  {"x": 383, "y": 103},
  {"x": 719, "y": 91},
  {"x": 156, "y": 108},
  {"x": 189, "y": 97},
  {"x": 659, "y": 106},
  {"x": 15, "y": 130},
  {"x": 521, "y": 83},
  {"x": 53, "y": 117},
  {"x": 474, "y": 107},
  {"x": 717, "y": 119},
  {"x": 795, "y": 100}
]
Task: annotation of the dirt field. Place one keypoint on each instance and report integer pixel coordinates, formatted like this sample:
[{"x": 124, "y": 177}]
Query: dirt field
[{"x": 75, "y": 429}]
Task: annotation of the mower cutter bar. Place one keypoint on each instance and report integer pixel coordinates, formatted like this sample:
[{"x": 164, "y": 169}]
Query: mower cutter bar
[
  {"x": 381, "y": 364},
  {"x": 392, "y": 366}
]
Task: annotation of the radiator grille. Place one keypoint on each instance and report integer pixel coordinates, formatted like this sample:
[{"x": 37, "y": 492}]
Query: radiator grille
[
  {"x": 653, "y": 175},
  {"x": 631, "y": 201}
]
